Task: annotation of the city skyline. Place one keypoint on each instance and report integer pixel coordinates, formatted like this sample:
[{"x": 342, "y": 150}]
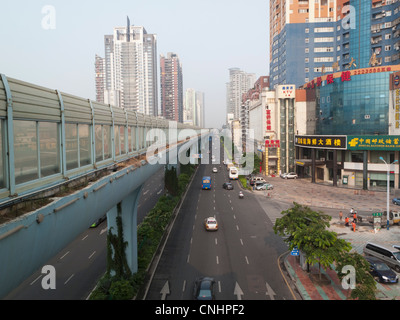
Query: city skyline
[{"x": 209, "y": 37}]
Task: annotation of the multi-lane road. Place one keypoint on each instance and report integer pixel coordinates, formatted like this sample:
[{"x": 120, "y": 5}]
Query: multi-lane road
[
  {"x": 79, "y": 266},
  {"x": 242, "y": 256}
]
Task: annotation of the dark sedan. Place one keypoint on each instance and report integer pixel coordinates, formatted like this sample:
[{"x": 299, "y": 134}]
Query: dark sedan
[
  {"x": 227, "y": 186},
  {"x": 204, "y": 289},
  {"x": 381, "y": 271}
]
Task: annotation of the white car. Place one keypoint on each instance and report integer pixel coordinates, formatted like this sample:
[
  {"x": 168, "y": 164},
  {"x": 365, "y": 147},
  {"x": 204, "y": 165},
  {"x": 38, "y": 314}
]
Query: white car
[
  {"x": 215, "y": 170},
  {"x": 291, "y": 175},
  {"x": 211, "y": 224}
]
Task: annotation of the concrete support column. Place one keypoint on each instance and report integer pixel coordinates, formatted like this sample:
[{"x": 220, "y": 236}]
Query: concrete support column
[
  {"x": 334, "y": 168},
  {"x": 127, "y": 210},
  {"x": 365, "y": 170},
  {"x": 313, "y": 165}
]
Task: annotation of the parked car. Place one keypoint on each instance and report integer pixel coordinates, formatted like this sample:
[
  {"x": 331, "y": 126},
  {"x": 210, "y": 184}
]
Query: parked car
[
  {"x": 396, "y": 201},
  {"x": 227, "y": 186},
  {"x": 264, "y": 186},
  {"x": 290, "y": 175},
  {"x": 268, "y": 186},
  {"x": 283, "y": 175},
  {"x": 381, "y": 271},
  {"x": 204, "y": 289}
]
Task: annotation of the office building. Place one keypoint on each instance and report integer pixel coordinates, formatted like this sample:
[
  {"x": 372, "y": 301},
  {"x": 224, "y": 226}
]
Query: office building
[
  {"x": 171, "y": 87},
  {"x": 130, "y": 70}
]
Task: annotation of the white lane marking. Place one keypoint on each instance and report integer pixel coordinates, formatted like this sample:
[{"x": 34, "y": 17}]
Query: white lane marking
[
  {"x": 36, "y": 280},
  {"x": 92, "y": 255},
  {"x": 64, "y": 255},
  {"x": 217, "y": 260},
  {"x": 85, "y": 237},
  {"x": 241, "y": 241},
  {"x": 69, "y": 279},
  {"x": 247, "y": 260}
]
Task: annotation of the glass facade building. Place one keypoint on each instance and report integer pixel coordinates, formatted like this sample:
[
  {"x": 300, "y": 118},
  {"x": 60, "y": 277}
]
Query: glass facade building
[{"x": 359, "y": 106}]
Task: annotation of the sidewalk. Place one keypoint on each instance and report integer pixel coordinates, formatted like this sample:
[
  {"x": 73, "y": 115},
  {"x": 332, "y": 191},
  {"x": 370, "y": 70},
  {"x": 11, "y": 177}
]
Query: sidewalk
[{"x": 365, "y": 202}]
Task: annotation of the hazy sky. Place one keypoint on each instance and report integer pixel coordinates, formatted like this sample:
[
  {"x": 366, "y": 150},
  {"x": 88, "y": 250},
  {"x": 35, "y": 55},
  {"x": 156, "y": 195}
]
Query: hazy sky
[{"x": 209, "y": 36}]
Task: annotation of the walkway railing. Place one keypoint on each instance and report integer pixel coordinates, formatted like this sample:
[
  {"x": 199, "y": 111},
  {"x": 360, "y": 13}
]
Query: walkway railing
[{"x": 47, "y": 137}]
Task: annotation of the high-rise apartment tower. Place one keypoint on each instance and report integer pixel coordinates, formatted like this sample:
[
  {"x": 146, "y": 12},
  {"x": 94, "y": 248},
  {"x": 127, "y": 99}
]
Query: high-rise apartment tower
[{"x": 130, "y": 70}]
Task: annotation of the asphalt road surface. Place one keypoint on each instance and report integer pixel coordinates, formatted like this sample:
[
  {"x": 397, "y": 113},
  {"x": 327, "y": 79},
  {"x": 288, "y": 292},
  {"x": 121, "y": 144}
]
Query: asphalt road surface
[{"x": 242, "y": 256}]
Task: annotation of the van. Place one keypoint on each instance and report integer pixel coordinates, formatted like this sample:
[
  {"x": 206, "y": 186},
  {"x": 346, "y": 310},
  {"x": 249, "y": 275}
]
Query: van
[{"x": 389, "y": 255}]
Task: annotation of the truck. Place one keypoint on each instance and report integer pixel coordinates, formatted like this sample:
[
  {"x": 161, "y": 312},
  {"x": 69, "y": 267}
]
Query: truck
[{"x": 394, "y": 218}]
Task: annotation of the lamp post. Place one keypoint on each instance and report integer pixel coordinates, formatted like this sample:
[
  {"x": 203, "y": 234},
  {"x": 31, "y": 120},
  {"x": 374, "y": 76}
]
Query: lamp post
[{"x": 388, "y": 190}]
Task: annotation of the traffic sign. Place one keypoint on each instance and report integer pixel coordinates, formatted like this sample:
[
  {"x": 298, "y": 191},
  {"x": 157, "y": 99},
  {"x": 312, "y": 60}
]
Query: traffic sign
[{"x": 295, "y": 252}]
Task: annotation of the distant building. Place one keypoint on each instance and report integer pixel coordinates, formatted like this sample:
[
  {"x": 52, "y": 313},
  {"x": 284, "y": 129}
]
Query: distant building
[
  {"x": 193, "y": 111},
  {"x": 100, "y": 78},
  {"x": 129, "y": 70},
  {"x": 171, "y": 87},
  {"x": 239, "y": 83}
]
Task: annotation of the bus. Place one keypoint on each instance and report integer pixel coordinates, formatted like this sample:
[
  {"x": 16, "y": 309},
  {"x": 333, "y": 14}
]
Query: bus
[
  {"x": 233, "y": 173},
  {"x": 206, "y": 185}
]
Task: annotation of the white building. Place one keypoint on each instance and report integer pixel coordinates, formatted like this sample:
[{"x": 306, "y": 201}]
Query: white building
[
  {"x": 239, "y": 83},
  {"x": 131, "y": 69},
  {"x": 272, "y": 119},
  {"x": 193, "y": 108}
]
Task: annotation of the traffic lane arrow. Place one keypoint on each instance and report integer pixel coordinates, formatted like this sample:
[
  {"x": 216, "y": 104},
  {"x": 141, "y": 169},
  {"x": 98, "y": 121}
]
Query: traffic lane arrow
[
  {"x": 165, "y": 291},
  {"x": 270, "y": 292},
  {"x": 238, "y": 291}
]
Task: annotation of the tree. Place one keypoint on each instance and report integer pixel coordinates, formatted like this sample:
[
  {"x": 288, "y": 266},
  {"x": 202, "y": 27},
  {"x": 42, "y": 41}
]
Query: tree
[
  {"x": 319, "y": 245},
  {"x": 171, "y": 181},
  {"x": 306, "y": 230},
  {"x": 365, "y": 285},
  {"x": 296, "y": 218}
]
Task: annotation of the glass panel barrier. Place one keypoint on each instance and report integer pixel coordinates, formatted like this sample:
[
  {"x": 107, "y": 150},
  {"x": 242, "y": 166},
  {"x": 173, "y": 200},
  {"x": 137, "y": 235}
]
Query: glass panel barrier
[
  {"x": 25, "y": 151},
  {"x": 49, "y": 149}
]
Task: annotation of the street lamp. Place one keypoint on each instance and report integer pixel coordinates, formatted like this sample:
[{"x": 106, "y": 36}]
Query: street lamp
[{"x": 388, "y": 190}]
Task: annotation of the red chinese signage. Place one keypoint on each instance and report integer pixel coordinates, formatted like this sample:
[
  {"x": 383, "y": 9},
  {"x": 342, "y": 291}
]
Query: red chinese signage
[
  {"x": 268, "y": 120},
  {"x": 345, "y": 75},
  {"x": 272, "y": 143}
]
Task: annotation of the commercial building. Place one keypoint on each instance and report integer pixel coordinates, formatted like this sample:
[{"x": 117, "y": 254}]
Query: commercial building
[
  {"x": 308, "y": 41},
  {"x": 272, "y": 119},
  {"x": 171, "y": 87},
  {"x": 353, "y": 135},
  {"x": 129, "y": 70},
  {"x": 251, "y": 95}
]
